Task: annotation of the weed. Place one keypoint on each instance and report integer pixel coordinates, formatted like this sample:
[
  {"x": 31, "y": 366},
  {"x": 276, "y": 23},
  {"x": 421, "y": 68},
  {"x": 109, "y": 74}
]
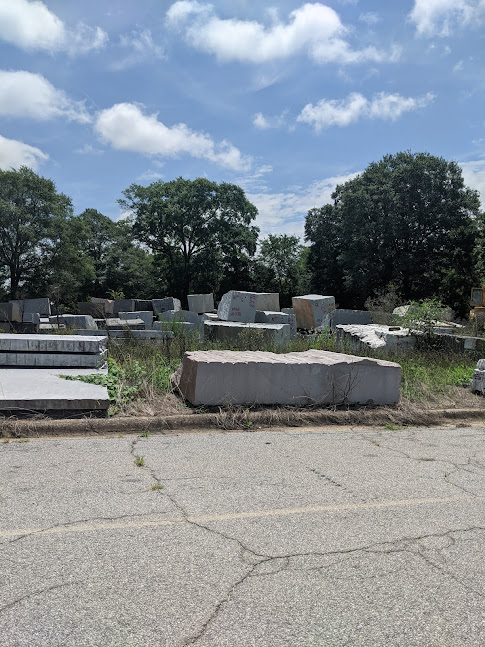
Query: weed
[
  {"x": 157, "y": 486},
  {"x": 139, "y": 461},
  {"x": 391, "y": 427},
  {"x": 145, "y": 434},
  {"x": 22, "y": 440}
]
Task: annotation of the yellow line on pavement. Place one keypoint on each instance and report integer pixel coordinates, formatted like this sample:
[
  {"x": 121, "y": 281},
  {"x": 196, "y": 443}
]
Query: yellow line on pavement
[{"x": 79, "y": 527}]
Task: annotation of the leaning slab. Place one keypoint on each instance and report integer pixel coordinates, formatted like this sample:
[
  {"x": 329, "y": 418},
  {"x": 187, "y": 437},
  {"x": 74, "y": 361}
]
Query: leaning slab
[{"x": 312, "y": 377}]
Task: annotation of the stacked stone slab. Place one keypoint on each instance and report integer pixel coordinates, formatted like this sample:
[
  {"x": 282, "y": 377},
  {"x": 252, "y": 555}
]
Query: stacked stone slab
[
  {"x": 477, "y": 385},
  {"x": 47, "y": 351},
  {"x": 167, "y": 303},
  {"x": 143, "y": 305},
  {"x": 180, "y": 315},
  {"x": 200, "y": 303},
  {"x": 313, "y": 311},
  {"x": 277, "y": 318},
  {"x": 238, "y": 306},
  {"x": 313, "y": 377},
  {"x": 238, "y": 334}
]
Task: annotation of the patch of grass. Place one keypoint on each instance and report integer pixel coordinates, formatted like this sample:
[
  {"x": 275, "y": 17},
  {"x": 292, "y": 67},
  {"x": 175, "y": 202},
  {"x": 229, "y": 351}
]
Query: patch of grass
[
  {"x": 391, "y": 427},
  {"x": 22, "y": 440},
  {"x": 157, "y": 486},
  {"x": 139, "y": 461},
  {"x": 145, "y": 434}
]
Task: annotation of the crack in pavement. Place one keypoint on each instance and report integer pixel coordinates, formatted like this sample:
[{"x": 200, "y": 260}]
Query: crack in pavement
[{"x": 39, "y": 592}]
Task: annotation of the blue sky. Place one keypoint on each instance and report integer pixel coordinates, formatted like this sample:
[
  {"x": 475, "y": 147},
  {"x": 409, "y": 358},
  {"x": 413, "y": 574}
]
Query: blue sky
[{"x": 284, "y": 98}]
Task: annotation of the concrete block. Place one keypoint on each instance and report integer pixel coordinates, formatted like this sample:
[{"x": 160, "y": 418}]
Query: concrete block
[
  {"x": 123, "y": 305},
  {"x": 75, "y": 321},
  {"x": 41, "y": 360},
  {"x": 10, "y": 312},
  {"x": 200, "y": 303},
  {"x": 108, "y": 304},
  {"x": 44, "y": 390},
  {"x": 313, "y": 310},
  {"x": 95, "y": 310},
  {"x": 342, "y": 317},
  {"x": 309, "y": 378},
  {"x": 238, "y": 334},
  {"x": 277, "y": 317},
  {"x": 41, "y": 306},
  {"x": 269, "y": 301},
  {"x": 167, "y": 303},
  {"x": 180, "y": 315},
  {"x": 15, "y": 343},
  {"x": 238, "y": 306},
  {"x": 146, "y": 316}
]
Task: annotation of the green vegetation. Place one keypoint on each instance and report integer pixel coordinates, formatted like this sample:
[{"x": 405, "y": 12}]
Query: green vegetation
[{"x": 139, "y": 461}]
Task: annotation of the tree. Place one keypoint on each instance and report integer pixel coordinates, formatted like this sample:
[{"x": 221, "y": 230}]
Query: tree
[
  {"x": 28, "y": 206},
  {"x": 199, "y": 231},
  {"x": 408, "y": 221}
]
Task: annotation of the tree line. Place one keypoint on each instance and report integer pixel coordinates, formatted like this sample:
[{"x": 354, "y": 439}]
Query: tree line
[{"x": 407, "y": 223}]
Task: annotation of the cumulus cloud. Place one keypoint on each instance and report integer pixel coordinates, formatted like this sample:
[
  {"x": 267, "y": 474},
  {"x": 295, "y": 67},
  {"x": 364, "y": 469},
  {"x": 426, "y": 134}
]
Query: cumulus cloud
[
  {"x": 125, "y": 127},
  {"x": 441, "y": 17},
  {"x": 143, "y": 48},
  {"x": 474, "y": 176},
  {"x": 332, "y": 112},
  {"x": 313, "y": 29},
  {"x": 284, "y": 213},
  {"x": 24, "y": 94},
  {"x": 262, "y": 122},
  {"x": 14, "y": 154},
  {"x": 30, "y": 25}
]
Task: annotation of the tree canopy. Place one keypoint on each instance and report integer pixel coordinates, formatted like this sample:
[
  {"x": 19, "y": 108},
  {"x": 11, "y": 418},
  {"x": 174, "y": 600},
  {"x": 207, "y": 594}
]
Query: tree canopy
[{"x": 407, "y": 221}]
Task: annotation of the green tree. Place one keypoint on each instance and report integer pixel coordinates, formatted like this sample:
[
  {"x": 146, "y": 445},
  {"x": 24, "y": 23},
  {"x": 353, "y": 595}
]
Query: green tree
[
  {"x": 408, "y": 220},
  {"x": 279, "y": 266},
  {"x": 29, "y": 204},
  {"x": 199, "y": 231}
]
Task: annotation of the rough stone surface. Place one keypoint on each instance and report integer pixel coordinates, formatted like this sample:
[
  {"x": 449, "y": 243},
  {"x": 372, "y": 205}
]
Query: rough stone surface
[
  {"x": 95, "y": 310},
  {"x": 376, "y": 336},
  {"x": 313, "y": 311},
  {"x": 124, "y": 324},
  {"x": 108, "y": 304},
  {"x": 142, "y": 305},
  {"x": 38, "y": 360},
  {"x": 123, "y": 305},
  {"x": 167, "y": 303},
  {"x": 10, "y": 312},
  {"x": 347, "y": 317},
  {"x": 238, "y": 306},
  {"x": 233, "y": 333},
  {"x": 180, "y": 315},
  {"x": 75, "y": 321},
  {"x": 269, "y": 301},
  {"x": 265, "y": 316},
  {"x": 288, "y": 311},
  {"x": 41, "y": 306},
  {"x": 146, "y": 316},
  {"x": 200, "y": 303},
  {"x": 52, "y": 344},
  {"x": 313, "y": 377}
]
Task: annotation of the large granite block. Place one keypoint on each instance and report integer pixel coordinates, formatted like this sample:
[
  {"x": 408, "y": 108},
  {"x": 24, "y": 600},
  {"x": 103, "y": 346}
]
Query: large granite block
[
  {"x": 349, "y": 317},
  {"x": 52, "y": 343},
  {"x": 180, "y": 327},
  {"x": 238, "y": 306},
  {"x": 10, "y": 312},
  {"x": 376, "y": 336},
  {"x": 75, "y": 321},
  {"x": 312, "y": 377},
  {"x": 180, "y": 315},
  {"x": 107, "y": 303},
  {"x": 95, "y": 310},
  {"x": 237, "y": 334},
  {"x": 277, "y": 317},
  {"x": 200, "y": 303},
  {"x": 167, "y": 303},
  {"x": 146, "y": 316},
  {"x": 31, "y": 306},
  {"x": 123, "y": 305},
  {"x": 269, "y": 301},
  {"x": 44, "y": 360},
  {"x": 313, "y": 311},
  {"x": 143, "y": 305},
  {"x": 115, "y": 323}
]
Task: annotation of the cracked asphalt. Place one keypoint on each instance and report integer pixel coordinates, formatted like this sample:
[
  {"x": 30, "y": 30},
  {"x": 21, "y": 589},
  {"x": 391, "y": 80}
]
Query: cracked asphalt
[{"x": 281, "y": 538}]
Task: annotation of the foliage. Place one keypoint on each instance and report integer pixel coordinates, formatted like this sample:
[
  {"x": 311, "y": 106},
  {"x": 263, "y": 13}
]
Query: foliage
[
  {"x": 199, "y": 231},
  {"x": 423, "y": 316},
  {"x": 382, "y": 305},
  {"x": 408, "y": 220}
]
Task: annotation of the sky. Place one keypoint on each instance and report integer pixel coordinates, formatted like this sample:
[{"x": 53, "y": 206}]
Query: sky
[{"x": 285, "y": 99}]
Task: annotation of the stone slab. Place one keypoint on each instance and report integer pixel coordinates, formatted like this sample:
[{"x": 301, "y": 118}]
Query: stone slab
[
  {"x": 265, "y": 316},
  {"x": 41, "y": 306},
  {"x": 200, "y": 303},
  {"x": 313, "y": 310},
  {"x": 143, "y": 305},
  {"x": 313, "y": 377},
  {"x": 181, "y": 327},
  {"x": 124, "y": 324},
  {"x": 19, "y": 327},
  {"x": 238, "y": 306},
  {"x": 234, "y": 333},
  {"x": 95, "y": 310},
  {"x": 75, "y": 321},
  {"x": 167, "y": 303},
  {"x": 146, "y": 316},
  {"x": 180, "y": 315},
  {"x": 14, "y": 343},
  {"x": 134, "y": 334},
  {"x": 42, "y": 390},
  {"x": 108, "y": 304},
  {"x": 123, "y": 305},
  {"x": 39, "y": 360},
  {"x": 10, "y": 312},
  {"x": 375, "y": 336},
  {"x": 269, "y": 301},
  {"x": 345, "y": 317}
]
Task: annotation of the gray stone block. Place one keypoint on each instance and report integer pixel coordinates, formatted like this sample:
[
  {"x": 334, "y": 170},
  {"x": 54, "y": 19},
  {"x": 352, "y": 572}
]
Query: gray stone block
[
  {"x": 108, "y": 304},
  {"x": 288, "y": 311},
  {"x": 143, "y": 305},
  {"x": 234, "y": 334},
  {"x": 313, "y": 377},
  {"x": 156, "y": 335},
  {"x": 123, "y": 305},
  {"x": 167, "y": 303},
  {"x": 180, "y": 315},
  {"x": 277, "y": 317},
  {"x": 124, "y": 324},
  {"x": 177, "y": 327},
  {"x": 41, "y": 306},
  {"x": 146, "y": 316},
  {"x": 42, "y": 359},
  {"x": 95, "y": 310},
  {"x": 200, "y": 303},
  {"x": 238, "y": 306},
  {"x": 313, "y": 311},
  {"x": 346, "y": 317},
  {"x": 376, "y": 336},
  {"x": 268, "y": 301},
  {"x": 14, "y": 343},
  {"x": 75, "y": 321},
  {"x": 10, "y": 312}
]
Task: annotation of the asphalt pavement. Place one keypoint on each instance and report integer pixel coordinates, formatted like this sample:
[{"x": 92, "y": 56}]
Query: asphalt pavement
[{"x": 280, "y": 538}]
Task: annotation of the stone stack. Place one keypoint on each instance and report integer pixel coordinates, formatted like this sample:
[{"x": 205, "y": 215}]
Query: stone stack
[{"x": 52, "y": 351}]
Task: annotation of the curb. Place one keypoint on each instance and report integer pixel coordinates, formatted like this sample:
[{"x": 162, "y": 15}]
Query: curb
[{"x": 232, "y": 421}]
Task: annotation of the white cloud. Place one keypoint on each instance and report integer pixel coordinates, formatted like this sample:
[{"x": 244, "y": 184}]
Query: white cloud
[
  {"x": 23, "y": 94},
  {"x": 142, "y": 47},
  {"x": 441, "y": 17},
  {"x": 265, "y": 123},
  {"x": 313, "y": 29},
  {"x": 284, "y": 213},
  {"x": 14, "y": 154},
  {"x": 333, "y": 112},
  {"x": 88, "y": 149},
  {"x": 31, "y": 26},
  {"x": 125, "y": 127},
  {"x": 474, "y": 176},
  {"x": 369, "y": 18}
]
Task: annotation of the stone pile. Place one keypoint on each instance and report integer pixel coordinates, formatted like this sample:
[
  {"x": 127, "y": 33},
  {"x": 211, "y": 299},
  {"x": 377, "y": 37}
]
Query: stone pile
[{"x": 314, "y": 377}]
